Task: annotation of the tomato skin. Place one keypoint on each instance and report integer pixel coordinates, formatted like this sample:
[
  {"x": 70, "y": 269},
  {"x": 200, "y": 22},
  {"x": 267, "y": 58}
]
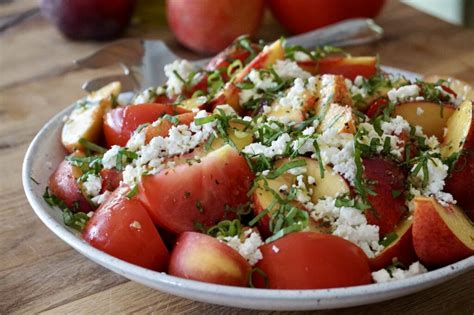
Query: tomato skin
[
  {"x": 121, "y": 122},
  {"x": 63, "y": 184},
  {"x": 200, "y": 192},
  {"x": 300, "y": 16},
  {"x": 310, "y": 260},
  {"x": 376, "y": 107},
  {"x": 121, "y": 227},
  {"x": 385, "y": 177},
  {"x": 110, "y": 179}
]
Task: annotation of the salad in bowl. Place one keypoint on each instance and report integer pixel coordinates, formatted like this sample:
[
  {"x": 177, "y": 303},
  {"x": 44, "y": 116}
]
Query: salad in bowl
[{"x": 274, "y": 167}]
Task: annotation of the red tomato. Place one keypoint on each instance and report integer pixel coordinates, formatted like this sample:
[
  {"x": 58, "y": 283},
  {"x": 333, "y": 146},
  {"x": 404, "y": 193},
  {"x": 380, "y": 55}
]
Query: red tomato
[
  {"x": 300, "y": 16},
  {"x": 376, "y": 107},
  {"x": 121, "y": 122},
  {"x": 310, "y": 260},
  {"x": 180, "y": 198},
  {"x": 121, "y": 227},
  {"x": 385, "y": 178},
  {"x": 110, "y": 179},
  {"x": 63, "y": 184}
]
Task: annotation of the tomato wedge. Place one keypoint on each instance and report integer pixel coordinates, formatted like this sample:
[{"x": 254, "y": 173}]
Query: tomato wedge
[
  {"x": 310, "y": 260},
  {"x": 121, "y": 122},
  {"x": 122, "y": 228},
  {"x": 202, "y": 193}
]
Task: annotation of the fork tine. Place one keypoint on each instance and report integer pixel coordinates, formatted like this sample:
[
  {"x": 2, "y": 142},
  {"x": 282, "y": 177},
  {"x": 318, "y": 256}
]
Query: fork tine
[{"x": 126, "y": 51}]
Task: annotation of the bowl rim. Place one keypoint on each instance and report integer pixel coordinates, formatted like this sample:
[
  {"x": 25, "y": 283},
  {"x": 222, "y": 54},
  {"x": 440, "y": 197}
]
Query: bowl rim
[{"x": 167, "y": 281}]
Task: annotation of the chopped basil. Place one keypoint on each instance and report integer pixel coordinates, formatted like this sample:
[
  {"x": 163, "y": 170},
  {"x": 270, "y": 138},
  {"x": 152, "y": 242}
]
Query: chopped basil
[
  {"x": 388, "y": 239},
  {"x": 286, "y": 167}
]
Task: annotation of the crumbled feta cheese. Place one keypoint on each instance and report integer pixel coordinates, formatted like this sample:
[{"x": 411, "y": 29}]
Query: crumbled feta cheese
[
  {"x": 184, "y": 69},
  {"x": 403, "y": 93},
  {"x": 261, "y": 81},
  {"x": 92, "y": 185},
  {"x": 301, "y": 56},
  {"x": 287, "y": 69},
  {"x": 383, "y": 275},
  {"x": 277, "y": 147},
  {"x": 275, "y": 249},
  {"x": 246, "y": 95},
  {"x": 395, "y": 126},
  {"x": 295, "y": 96},
  {"x": 437, "y": 172},
  {"x": 348, "y": 223},
  {"x": 109, "y": 159},
  {"x": 100, "y": 199},
  {"x": 227, "y": 109},
  {"x": 249, "y": 248},
  {"x": 311, "y": 180},
  {"x": 136, "y": 141},
  {"x": 146, "y": 96}
]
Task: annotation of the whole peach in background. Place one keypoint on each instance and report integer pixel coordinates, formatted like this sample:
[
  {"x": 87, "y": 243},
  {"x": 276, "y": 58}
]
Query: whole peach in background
[{"x": 208, "y": 26}]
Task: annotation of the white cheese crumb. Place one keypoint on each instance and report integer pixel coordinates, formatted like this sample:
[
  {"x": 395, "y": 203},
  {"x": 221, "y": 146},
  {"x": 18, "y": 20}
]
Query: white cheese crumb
[
  {"x": 301, "y": 56},
  {"x": 275, "y": 249},
  {"x": 100, "y": 199},
  {"x": 184, "y": 69},
  {"x": 287, "y": 69},
  {"x": 295, "y": 96},
  {"x": 277, "y": 147},
  {"x": 348, "y": 223},
  {"x": 383, "y": 275},
  {"x": 249, "y": 248},
  {"x": 109, "y": 159},
  {"x": 437, "y": 172},
  {"x": 92, "y": 185},
  {"x": 311, "y": 180},
  {"x": 261, "y": 81},
  {"x": 404, "y": 93}
]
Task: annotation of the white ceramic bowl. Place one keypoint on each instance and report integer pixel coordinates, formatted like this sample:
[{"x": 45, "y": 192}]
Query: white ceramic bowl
[{"x": 46, "y": 152}]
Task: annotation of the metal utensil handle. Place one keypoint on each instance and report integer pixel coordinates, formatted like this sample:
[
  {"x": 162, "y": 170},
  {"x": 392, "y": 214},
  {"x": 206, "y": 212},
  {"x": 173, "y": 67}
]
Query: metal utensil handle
[{"x": 345, "y": 33}]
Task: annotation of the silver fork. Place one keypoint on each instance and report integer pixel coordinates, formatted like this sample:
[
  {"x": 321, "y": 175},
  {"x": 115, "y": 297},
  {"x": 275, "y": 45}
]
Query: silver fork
[{"x": 142, "y": 61}]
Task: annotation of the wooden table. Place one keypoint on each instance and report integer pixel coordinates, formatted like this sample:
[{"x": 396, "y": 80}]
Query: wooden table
[{"x": 41, "y": 274}]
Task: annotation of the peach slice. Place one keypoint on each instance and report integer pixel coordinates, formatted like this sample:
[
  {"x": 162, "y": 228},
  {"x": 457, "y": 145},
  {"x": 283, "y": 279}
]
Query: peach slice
[
  {"x": 401, "y": 248},
  {"x": 349, "y": 67},
  {"x": 267, "y": 57},
  {"x": 85, "y": 121},
  {"x": 458, "y": 86},
  {"x": 63, "y": 184},
  {"x": 441, "y": 235},
  {"x": 431, "y": 116},
  {"x": 201, "y": 257},
  {"x": 339, "y": 117},
  {"x": 460, "y": 139},
  {"x": 329, "y": 185}
]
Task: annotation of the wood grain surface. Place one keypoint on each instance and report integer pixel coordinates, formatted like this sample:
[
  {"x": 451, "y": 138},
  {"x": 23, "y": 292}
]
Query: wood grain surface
[{"x": 41, "y": 274}]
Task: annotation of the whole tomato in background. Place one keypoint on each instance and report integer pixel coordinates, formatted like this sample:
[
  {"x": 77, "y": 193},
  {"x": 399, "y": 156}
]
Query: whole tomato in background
[
  {"x": 209, "y": 26},
  {"x": 89, "y": 19},
  {"x": 299, "y": 16}
]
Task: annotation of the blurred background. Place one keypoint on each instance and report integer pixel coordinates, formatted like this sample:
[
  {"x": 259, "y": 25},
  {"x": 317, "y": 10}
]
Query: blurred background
[{"x": 207, "y": 26}]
